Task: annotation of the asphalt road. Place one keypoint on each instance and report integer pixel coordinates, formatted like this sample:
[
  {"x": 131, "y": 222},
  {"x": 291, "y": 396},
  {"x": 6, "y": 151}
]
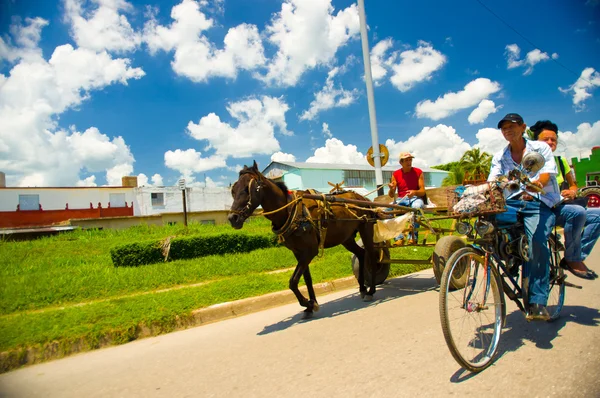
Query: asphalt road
[{"x": 392, "y": 347}]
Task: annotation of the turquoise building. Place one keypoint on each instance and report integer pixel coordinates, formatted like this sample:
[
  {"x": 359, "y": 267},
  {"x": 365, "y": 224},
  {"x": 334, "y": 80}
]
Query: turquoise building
[{"x": 359, "y": 178}]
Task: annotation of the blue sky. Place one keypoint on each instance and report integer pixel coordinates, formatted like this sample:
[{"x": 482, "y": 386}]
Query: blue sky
[{"x": 91, "y": 90}]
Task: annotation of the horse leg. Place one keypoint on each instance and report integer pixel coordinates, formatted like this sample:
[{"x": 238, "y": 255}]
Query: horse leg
[
  {"x": 313, "y": 306},
  {"x": 366, "y": 234},
  {"x": 304, "y": 258},
  {"x": 359, "y": 252}
]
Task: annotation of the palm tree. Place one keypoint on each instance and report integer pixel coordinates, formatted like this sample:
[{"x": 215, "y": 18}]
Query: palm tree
[
  {"x": 455, "y": 177},
  {"x": 476, "y": 163}
]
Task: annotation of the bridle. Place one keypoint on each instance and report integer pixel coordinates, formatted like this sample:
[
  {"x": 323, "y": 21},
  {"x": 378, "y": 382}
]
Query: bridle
[{"x": 246, "y": 211}]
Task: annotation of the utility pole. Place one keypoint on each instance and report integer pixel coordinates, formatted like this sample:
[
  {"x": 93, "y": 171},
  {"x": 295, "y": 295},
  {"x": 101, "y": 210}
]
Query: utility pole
[
  {"x": 370, "y": 96},
  {"x": 182, "y": 187}
]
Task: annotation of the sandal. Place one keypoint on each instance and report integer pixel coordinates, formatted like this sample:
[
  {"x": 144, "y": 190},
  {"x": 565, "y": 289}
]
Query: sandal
[{"x": 578, "y": 273}]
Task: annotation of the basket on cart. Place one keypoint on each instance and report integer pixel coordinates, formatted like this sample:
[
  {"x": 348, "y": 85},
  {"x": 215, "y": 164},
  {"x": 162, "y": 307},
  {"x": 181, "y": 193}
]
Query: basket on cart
[{"x": 476, "y": 200}]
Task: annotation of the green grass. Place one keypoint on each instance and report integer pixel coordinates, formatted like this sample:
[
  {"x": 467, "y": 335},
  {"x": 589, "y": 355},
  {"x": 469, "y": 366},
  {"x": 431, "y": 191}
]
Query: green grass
[{"x": 64, "y": 290}]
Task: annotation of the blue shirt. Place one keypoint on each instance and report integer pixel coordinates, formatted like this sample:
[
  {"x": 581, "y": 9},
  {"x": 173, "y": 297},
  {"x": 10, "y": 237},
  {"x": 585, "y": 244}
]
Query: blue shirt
[{"x": 503, "y": 163}]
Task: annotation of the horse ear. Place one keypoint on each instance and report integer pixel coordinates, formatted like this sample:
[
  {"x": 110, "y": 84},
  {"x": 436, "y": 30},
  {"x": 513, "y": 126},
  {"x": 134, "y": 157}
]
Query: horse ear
[{"x": 255, "y": 166}]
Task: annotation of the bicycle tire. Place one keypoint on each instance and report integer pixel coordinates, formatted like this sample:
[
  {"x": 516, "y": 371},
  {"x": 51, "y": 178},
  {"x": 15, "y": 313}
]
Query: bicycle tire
[
  {"x": 556, "y": 292},
  {"x": 478, "y": 348}
]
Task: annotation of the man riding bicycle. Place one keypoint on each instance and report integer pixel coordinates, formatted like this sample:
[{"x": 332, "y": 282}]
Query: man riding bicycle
[{"x": 535, "y": 208}]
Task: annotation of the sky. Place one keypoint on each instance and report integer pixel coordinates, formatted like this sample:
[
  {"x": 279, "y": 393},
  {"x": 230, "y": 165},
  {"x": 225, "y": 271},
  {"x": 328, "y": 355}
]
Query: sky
[{"x": 93, "y": 90}]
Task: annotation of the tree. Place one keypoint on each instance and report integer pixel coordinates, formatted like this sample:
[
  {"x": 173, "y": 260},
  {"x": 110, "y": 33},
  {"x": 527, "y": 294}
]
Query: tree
[
  {"x": 455, "y": 177},
  {"x": 476, "y": 163}
]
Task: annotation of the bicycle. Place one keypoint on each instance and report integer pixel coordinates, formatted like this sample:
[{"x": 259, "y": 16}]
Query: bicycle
[{"x": 477, "y": 277}]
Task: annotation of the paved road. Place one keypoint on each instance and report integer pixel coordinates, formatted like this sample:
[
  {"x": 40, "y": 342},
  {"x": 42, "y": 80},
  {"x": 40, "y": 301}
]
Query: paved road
[{"x": 392, "y": 347}]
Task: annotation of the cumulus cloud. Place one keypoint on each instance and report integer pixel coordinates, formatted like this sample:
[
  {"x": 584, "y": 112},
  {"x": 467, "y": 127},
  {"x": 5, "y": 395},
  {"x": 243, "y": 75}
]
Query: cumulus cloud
[
  {"x": 190, "y": 161},
  {"x": 581, "y": 89},
  {"x": 483, "y": 110},
  {"x": 33, "y": 95},
  {"x": 335, "y": 151},
  {"x": 380, "y": 61},
  {"x": 105, "y": 29},
  {"x": 255, "y": 131},
  {"x": 307, "y": 34},
  {"x": 533, "y": 57},
  {"x": 329, "y": 97},
  {"x": 26, "y": 37},
  {"x": 196, "y": 57},
  {"x": 490, "y": 140},
  {"x": 579, "y": 143},
  {"x": 431, "y": 146},
  {"x": 157, "y": 180},
  {"x": 473, "y": 93},
  {"x": 410, "y": 67},
  {"x": 282, "y": 157}
]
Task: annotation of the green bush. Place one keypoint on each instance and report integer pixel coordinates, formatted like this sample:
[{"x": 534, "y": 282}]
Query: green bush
[{"x": 135, "y": 254}]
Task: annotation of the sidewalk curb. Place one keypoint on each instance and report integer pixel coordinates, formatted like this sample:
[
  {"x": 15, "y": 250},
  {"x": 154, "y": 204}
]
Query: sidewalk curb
[{"x": 17, "y": 358}]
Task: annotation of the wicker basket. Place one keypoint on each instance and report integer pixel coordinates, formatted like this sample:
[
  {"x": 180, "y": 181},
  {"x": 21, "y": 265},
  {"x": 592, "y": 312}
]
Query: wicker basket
[{"x": 494, "y": 201}]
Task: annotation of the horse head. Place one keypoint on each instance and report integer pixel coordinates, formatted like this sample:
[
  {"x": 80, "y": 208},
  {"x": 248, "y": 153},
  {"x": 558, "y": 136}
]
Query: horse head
[{"x": 247, "y": 195}]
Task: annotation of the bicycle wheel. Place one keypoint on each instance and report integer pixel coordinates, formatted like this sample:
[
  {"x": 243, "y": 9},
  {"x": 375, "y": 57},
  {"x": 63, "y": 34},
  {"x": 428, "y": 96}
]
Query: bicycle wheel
[
  {"x": 471, "y": 316},
  {"x": 556, "y": 294}
]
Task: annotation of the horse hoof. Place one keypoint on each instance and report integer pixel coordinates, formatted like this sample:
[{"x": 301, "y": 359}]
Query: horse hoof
[
  {"x": 307, "y": 314},
  {"x": 316, "y": 307},
  {"x": 362, "y": 295},
  {"x": 368, "y": 297}
]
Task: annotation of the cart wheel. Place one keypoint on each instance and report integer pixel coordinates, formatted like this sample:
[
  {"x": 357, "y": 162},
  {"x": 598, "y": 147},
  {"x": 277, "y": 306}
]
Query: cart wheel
[
  {"x": 444, "y": 248},
  {"x": 382, "y": 269}
]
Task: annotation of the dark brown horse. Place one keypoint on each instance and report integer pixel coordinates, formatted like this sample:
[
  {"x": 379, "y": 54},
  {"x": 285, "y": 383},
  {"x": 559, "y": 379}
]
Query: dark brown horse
[{"x": 304, "y": 225}]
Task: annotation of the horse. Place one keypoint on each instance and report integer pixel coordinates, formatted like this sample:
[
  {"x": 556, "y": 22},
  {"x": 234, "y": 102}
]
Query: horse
[{"x": 306, "y": 225}]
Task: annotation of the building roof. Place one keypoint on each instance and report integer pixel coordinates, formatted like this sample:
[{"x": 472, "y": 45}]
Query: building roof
[{"x": 342, "y": 166}]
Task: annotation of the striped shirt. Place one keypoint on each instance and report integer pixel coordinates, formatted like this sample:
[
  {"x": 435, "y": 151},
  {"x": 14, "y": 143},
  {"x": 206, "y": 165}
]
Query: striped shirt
[{"x": 503, "y": 163}]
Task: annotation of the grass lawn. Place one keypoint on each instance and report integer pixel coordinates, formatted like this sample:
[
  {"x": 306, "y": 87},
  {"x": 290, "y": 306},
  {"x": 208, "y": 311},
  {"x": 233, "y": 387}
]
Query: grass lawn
[{"x": 64, "y": 289}]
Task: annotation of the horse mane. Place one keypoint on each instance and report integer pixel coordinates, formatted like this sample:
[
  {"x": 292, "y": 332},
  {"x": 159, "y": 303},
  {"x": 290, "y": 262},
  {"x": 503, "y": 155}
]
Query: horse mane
[{"x": 280, "y": 184}]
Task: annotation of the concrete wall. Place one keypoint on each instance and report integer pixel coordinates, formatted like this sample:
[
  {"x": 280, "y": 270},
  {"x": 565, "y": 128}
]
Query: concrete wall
[
  {"x": 217, "y": 217},
  {"x": 197, "y": 199},
  {"x": 62, "y": 198}
]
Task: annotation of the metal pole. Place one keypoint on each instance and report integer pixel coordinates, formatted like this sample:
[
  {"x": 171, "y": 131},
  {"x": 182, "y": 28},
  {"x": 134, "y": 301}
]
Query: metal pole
[
  {"x": 184, "y": 207},
  {"x": 370, "y": 96}
]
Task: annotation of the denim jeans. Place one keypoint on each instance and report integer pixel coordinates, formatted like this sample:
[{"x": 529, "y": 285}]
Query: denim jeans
[
  {"x": 539, "y": 221},
  {"x": 591, "y": 231},
  {"x": 572, "y": 218},
  {"x": 415, "y": 203}
]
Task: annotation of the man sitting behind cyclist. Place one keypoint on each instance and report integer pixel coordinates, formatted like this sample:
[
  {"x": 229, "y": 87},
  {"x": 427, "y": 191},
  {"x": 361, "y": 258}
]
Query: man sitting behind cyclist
[
  {"x": 537, "y": 214},
  {"x": 409, "y": 184}
]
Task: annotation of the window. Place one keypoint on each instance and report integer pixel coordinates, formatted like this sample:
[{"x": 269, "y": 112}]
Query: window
[
  {"x": 158, "y": 198},
  {"x": 29, "y": 202},
  {"x": 362, "y": 178},
  {"x": 117, "y": 199}
]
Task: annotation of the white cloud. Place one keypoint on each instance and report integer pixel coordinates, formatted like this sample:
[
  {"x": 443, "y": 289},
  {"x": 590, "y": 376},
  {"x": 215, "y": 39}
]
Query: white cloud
[
  {"x": 278, "y": 157},
  {"x": 335, "y": 151},
  {"x": 307, "y": 35},
  {"x": 32, "y": 97},
  {"x": 579, "y": 144},
  {"x": 483, "y": 110},
  {"x": 490, "y": 140},
  {"x": 589, "y": 80},
  {"x": 254, "y": 133},
  {"x": 26, "y": 36},
  {"x": 195, "y": 56},
  {"x": 430, "y": 147},
  {"x": 157, "y": 180},
  {"x": 379, "y": 66},
  {"x": 329, "y": 97},
  {"x": 533, "y": 57},
  {"x": 326, "y": 131},
  {"x": 105, "y": 29},
  {"x": 87, "y": 182},
  {"x": 189, "y": 161},
  {"x": 473, "y": 93},
  {"x": 415, "y": 66},
  {"x": 115, "y": 174}
]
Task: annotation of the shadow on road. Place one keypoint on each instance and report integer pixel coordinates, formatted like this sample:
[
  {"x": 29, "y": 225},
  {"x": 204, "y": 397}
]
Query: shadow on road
[
  {"x": 518, "y": 330},
  {"x": 390, "y": 290}
]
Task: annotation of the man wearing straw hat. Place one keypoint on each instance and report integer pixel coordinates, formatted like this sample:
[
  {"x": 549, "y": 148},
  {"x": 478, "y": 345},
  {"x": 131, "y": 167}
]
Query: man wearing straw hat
[{"x": 409, "y": 184}]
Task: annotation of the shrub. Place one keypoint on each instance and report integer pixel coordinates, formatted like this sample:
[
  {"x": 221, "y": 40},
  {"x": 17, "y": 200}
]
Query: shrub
[{"x": 188, "y": 247}]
